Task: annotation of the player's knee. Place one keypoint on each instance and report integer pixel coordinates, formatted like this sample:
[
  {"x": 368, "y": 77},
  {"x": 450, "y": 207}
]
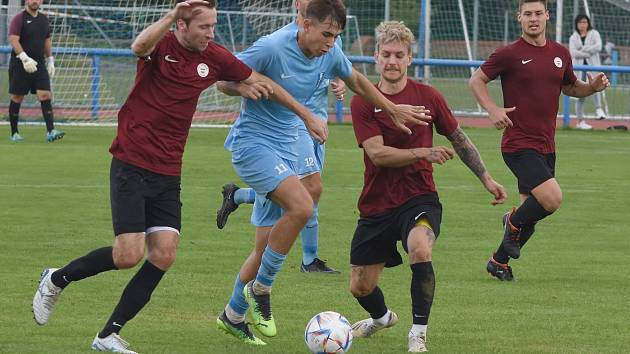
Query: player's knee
[
  {"x": 307, "y": 211},
  {"x": 128, "y": 258},
  {"x": 44, "y": 96},
  {"x": 552, "y": 202},
  {"x": 555, "y": 205},
  {"x": 361, "y": 289},
  {"x": 360, "y": 284},
  {"x": 420, "y": 255},
  {"x": 163, "y": 258},
  {"x": 316, "y": 191},
  {"x": 17, "y": 99},
  {"x": 302, "y": 210}
]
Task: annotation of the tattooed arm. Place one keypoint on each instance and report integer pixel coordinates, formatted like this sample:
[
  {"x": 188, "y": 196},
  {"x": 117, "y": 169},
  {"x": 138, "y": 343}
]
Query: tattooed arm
[{"x": 467, "y": 151}]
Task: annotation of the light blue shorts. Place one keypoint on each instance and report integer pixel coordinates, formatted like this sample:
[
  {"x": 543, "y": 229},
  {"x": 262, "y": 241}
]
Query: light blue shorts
[
  {"x": 262, "y": 168},
  {"x": 310, "y": 155},
  {"x": 265, "y": 212}
]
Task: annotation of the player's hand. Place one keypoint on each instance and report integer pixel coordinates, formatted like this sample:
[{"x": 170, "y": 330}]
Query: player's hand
[
  {"x": 180, "y": 9},
  {"x": 404, "y": 113},
  {"x": 500, "y": 195},
  {"x": 338, "y": 88},
  {"x": 50, "y": 66},
  {"x": 437, "y": 154},
  {"x": 30, "y": 65},
  {"x": 499, "y": 117},
  {"x": 256, "y": 91},
  {"x": 599, "y": 82},
  {"x": 318, "y": 128}
]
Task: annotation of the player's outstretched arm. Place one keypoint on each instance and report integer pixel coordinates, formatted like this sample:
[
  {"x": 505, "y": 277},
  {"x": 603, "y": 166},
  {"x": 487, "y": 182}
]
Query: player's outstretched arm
[
  {"x": 580, "y": 88},
  {"x": 467, "y": 151},
  {"x": 478, "y": 83},
  {"x": 400, "y": 114},
  {"x": 253, "y": 90},
  {"x": 382, "y": 155},
  {"x": 258, "y": 86},
  {"x": 145, "y": 42}
]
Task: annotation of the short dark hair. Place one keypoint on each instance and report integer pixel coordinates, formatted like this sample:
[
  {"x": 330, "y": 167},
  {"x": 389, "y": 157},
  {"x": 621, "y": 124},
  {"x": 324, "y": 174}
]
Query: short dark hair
[
  {"x": 211, "y": 4},
  {"x": 581, "y": 17},
  {"x": 521, "y": 2},
  {"x": 321, "y": 10}
]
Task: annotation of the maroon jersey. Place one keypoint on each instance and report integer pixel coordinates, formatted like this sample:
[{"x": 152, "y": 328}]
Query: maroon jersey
[
  {"x": 33, "y": 32},
  {"x": 387, "y": 188},
  {"x": 531, "y": 78},
  {"x": 153, "y": 123}
]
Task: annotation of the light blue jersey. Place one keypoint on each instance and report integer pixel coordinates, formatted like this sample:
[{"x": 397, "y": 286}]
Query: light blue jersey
[
  {"x": 319, "y": 103},
  {"x": 279, "y": 57}
]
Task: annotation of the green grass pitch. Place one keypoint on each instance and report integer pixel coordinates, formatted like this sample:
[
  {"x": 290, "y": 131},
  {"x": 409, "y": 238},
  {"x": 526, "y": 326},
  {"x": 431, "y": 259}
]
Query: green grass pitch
[{"x": 571, "y": 294}]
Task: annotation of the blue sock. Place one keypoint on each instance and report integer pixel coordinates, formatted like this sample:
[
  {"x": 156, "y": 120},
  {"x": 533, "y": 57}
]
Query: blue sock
[
  {"x": 309, "y": 236},
  {"x": 269, "y": 266},
  {"x": 237, "y": 301},
  {"x": 244, "y": 195}
]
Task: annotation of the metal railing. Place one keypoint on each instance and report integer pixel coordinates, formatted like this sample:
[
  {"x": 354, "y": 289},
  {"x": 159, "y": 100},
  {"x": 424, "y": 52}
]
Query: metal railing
[{"x": 97, "y": 53}]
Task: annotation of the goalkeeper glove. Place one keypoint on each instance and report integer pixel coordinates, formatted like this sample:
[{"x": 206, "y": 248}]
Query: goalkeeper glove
[
  {"x": 50, "y": 66},
  {"x": 30, "y": 65}
]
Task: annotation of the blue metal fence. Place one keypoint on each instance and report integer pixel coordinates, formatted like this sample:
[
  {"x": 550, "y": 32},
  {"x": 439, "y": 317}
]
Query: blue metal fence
[{"x": 97, "y": 53}]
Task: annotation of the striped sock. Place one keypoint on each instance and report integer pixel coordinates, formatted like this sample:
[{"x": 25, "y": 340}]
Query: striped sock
[
  {"x": 269, "y": 267},
  {"x": 310, "y": 236},
  {"x": 236, "y": 308},
  {"x": 244, "y": 195}
]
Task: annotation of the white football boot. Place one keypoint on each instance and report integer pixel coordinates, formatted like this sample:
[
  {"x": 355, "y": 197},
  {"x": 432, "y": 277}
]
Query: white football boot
[
  {"x": 45, "y": 298},
  {"x": 368, "y": 327},
  {"x": 418, "y": 343},
  {"x": 112, "y": 343}
]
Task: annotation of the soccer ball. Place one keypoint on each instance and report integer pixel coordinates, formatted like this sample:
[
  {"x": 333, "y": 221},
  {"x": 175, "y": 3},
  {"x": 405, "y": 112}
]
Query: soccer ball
[{"x": 328, "y": 333}]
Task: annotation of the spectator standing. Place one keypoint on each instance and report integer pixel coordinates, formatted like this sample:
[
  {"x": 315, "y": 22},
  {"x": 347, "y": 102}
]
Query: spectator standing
[{"x": 585, "y": 44}]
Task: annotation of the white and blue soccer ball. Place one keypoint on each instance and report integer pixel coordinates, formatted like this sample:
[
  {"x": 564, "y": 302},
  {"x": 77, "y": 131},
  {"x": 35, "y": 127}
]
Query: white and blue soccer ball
[{"x": 328, "y": 333}]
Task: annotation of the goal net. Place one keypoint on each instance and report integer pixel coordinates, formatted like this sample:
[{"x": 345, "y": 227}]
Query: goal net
[{"x": 95, "y": 70}]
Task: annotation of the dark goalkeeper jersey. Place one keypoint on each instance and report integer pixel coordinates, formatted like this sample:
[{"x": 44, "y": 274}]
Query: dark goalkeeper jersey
[{"x": 33, "y": 32}]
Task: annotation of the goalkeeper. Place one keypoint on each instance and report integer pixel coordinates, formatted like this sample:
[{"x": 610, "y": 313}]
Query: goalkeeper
[{"x": 31, "y": 67}]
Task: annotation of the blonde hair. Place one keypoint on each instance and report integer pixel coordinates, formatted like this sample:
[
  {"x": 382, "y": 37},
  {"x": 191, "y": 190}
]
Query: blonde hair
[{"x": 393, "y": 31}]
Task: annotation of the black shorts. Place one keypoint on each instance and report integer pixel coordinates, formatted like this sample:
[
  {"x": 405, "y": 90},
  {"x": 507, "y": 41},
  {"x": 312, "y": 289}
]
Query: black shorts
[
  {"x": 21, "y": 82},
  {"x": 375, "y": 237},
  {"x": 142, "y": 199},
  {"x": 531, "y": 168}
]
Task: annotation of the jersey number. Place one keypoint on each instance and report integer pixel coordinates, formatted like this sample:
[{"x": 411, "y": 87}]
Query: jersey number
[
  {"x": 281, "y": 168},
  {"x": 309, "y": 161}
]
